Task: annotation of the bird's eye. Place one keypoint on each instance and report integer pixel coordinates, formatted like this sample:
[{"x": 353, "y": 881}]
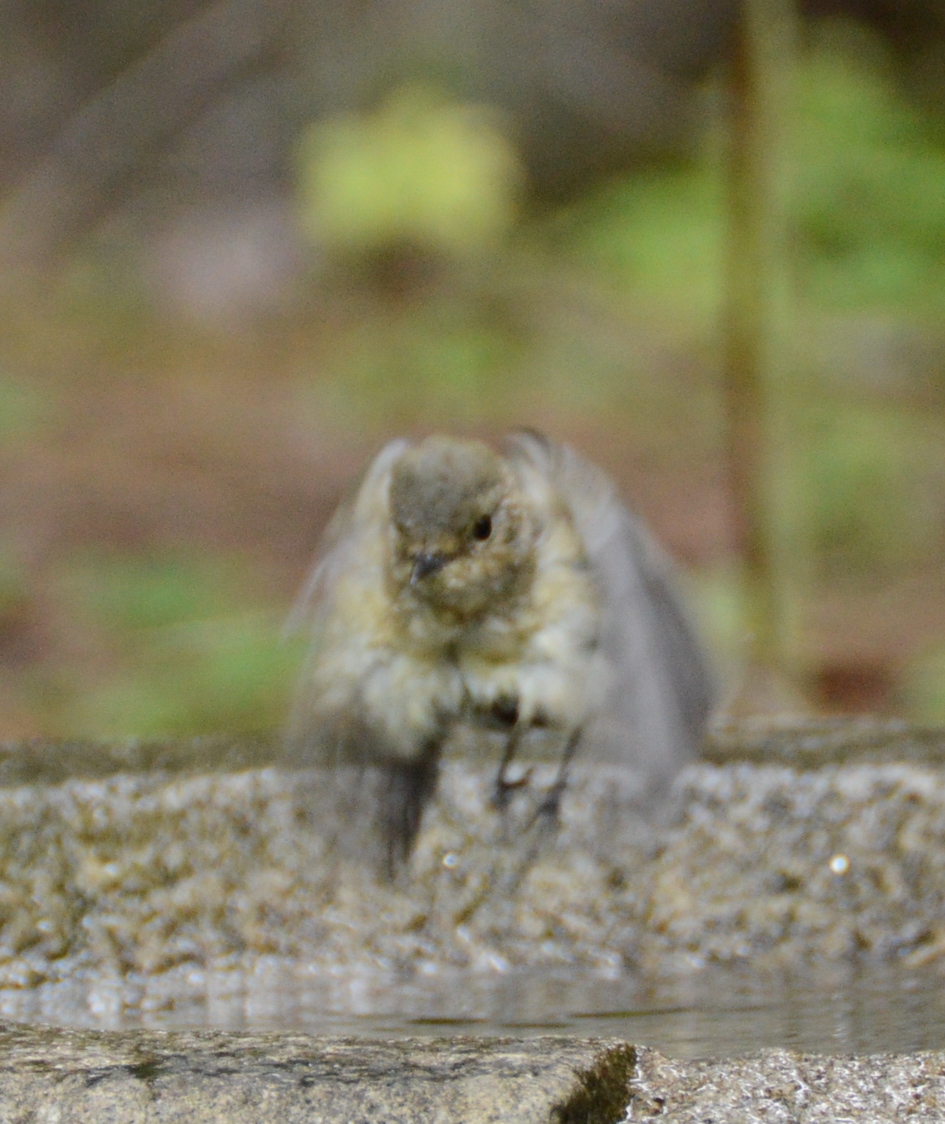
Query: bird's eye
[{"x": 482, "y": 528}]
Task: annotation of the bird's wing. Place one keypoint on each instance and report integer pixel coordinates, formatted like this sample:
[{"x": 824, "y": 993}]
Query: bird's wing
[
  {"x": 347, "y": 542},
  {"x": 343, "y": 540},
  {"x": 662, "y": 692}
]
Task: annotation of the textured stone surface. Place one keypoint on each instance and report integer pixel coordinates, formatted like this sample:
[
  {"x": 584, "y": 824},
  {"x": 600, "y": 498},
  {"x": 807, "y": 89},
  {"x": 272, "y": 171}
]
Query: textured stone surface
[
  {"x": 779, "y": 1087},
  {"x": 159, "y": 870},
  {"x": 774, "y": 866},
  {"x": 155, "y": 860},
  {"x": 52, "y": 761},
  {"x": 74, "y": 1077},
  {"x": 826, "y": 741}
]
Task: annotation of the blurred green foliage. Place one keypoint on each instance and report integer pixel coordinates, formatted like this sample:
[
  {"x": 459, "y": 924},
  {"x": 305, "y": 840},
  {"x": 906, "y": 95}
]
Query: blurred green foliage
[
  {"x": 458, "y": 361},
  {"x": 194, "y": 655},
  {"x": 524, "y": 318},
  {"x": 924, "y": 687},
  {"x": 422, "y": 170},
  {"x": 658, "y": 237},
  {"x": 13, "y": 583},
  {"x": 22, "y": 409},
  {"x": 869, "y": 198},
  {"x": 868, "y": 490}
]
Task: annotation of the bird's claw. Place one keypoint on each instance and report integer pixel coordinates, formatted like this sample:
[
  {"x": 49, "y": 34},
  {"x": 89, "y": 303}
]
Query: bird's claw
[{"x": 550, "y": 808}]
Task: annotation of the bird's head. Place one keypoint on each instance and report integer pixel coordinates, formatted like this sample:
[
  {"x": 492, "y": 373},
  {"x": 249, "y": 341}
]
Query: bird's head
[{"x": 462, "y": 537}]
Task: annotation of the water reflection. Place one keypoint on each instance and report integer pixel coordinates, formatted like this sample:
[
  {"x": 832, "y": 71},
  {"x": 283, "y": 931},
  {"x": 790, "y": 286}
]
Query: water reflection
[{"x": 707, "y": 1013}]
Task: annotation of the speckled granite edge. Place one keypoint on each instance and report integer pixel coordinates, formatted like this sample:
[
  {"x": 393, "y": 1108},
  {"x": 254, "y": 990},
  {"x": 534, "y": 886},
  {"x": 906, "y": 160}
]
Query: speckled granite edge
[
  {"x": 801, "y": 744},
  {"x": 55, "y": 760},
  {"x": 814, "y": 743},
  {"x": 783, "y": 1087},
  {"x": 211, "y": 1077}
]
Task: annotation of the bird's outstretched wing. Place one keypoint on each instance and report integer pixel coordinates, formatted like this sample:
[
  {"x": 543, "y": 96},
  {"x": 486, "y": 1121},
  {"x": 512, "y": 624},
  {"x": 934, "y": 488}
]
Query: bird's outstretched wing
[
  {"x": 367, "y": 801},
  {"x": 348, "y": 543},
  {"x": 662, "y": 693}
]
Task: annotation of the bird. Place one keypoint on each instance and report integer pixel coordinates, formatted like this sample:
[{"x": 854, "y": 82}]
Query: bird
[{"x": 510, "y": 589}]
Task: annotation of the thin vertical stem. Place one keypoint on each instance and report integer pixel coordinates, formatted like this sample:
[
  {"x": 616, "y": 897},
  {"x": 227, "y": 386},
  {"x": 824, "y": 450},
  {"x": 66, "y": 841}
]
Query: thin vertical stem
[{"x": 756, "y": 261}]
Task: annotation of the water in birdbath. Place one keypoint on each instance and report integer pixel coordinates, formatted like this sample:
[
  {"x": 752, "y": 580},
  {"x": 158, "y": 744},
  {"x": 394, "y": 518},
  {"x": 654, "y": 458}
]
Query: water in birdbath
[{"x": 712, "y": 1012}]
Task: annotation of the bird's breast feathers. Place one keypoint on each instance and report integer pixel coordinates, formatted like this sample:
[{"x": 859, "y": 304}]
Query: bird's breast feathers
[
  {"x": 414, "y": 673},
  {"x": 411, "y": 670}
]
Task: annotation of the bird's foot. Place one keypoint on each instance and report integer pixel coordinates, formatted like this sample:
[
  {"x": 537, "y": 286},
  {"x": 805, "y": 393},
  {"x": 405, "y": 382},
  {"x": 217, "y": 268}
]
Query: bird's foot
[
  {"x": 504, "y": 788},
  {"x": 549, "y": 810}
]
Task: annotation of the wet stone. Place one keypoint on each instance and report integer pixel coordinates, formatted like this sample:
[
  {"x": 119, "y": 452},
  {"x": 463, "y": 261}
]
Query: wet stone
[
  {"x": 209, "y": 1077},
  {"x": 159, "y": 869},
  {"x": 144, "y": 873}
]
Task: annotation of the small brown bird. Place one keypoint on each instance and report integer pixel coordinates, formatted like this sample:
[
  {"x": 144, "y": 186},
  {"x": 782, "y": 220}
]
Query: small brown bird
[{"x": 511, "y": 590}]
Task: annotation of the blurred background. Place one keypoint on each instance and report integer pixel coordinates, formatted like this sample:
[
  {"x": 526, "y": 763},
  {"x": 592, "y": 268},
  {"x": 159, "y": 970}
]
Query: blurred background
[{"x": 244, "y": 243}]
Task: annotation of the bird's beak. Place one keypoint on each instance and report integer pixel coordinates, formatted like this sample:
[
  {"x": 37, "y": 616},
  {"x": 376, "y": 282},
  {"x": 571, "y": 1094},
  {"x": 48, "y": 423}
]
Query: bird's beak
[{"x": 426, "y": 564}]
